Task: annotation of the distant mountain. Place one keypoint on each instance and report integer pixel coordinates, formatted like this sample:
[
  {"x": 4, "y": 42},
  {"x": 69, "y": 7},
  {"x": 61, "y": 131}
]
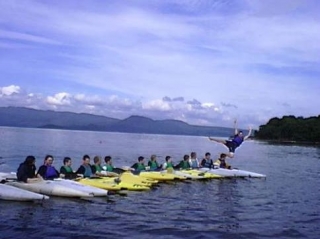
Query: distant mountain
[{"x": 31, "y": 118}]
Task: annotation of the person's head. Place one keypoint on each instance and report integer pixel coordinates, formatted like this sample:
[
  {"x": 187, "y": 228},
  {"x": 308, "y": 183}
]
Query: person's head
[
  {"x": 108, "y": 159},
  {"x": 223, "y": 156},
  {"x": 30, "y": 160},
  {"x": 67, "y": 161},
  {"x": 97, "y": 159},
  {"x": 168, "y": 158},
  {"x": 193, "y": 155},
  {"x": 153, "y": 157},
  {"x": 207, "y": 155},
  {"x": 86, "y": 159},
  {"x": 186, "y": 157},
  {"x": 140, "y": 159},
  {"x": 48, "y": 160},
  {"x": 240, "y": 133}
]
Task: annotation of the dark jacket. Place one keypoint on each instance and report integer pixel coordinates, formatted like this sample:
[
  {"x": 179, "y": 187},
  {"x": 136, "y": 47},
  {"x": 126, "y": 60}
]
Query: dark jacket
[{"x": 26, "y": 171}]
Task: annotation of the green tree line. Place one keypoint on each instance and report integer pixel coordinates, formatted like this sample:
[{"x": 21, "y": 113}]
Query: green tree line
[{"x": 291, "y": 128}]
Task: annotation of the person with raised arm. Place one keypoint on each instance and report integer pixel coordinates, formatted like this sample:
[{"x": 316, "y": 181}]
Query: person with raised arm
[{"x": 235, "y": 142}]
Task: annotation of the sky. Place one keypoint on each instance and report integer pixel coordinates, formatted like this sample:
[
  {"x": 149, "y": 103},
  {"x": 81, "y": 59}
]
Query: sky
[{"x": 205, "y": 62}]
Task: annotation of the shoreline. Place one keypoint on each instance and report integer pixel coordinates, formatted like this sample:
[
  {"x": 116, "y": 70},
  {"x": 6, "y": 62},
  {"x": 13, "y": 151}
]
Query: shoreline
[{"x": 289, "y": 142}]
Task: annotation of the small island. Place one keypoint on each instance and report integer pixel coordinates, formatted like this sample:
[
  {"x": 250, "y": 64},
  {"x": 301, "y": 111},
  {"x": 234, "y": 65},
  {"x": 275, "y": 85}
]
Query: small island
[{"x": 290, "y": 130}]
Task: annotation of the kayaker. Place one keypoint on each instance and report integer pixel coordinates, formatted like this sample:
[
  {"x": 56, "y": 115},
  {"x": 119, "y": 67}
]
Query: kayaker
[
  {"x": 153, "y": 164},
  {"x": 27, "y": 170},
  {"x": 86, "y": 169},
  {"x": 235, "y": 142},
  {"x": 139, "y": 166},
  {"x": 109, "y": 166},
  {"x": 47, "y": 171},
  {"x": 207, "y": 161},
  {"x": 193, "y": 161},
  {"x": 100, "y": 170},
  {"x": 66, "y": 170},
  {"x": 221, "y": 162},
  {"x": 168, "y": 164},
  {"x": 184, "y": 164}
]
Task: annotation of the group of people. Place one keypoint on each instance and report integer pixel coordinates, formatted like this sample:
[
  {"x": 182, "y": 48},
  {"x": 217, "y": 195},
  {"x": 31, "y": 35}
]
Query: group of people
[{"x": 27, "y": 170}]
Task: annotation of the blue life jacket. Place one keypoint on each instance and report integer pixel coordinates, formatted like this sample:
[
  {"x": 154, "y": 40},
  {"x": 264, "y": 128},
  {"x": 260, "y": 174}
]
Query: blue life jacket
[
  {"x": 208, "y": 163},
  {"x": 194, "y": 163},
  {"x": 88, "y": 171},
  {"x": 51, "y": 172}
]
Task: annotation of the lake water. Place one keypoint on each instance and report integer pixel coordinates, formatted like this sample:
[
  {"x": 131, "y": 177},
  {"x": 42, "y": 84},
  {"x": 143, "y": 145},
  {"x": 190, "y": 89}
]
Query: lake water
[{"x": 284, "y": 205}]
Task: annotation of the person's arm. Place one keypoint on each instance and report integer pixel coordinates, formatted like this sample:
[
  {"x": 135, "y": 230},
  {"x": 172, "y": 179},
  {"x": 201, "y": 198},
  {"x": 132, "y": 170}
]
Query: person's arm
[
  {"x": 135, "y": 166},
  {"x": 42, "y": 171},
  {"x": 248, "y": 135},
  {"x": 63, "y": 170},
  {"x": 81, "y": 170},
  {"x": 235, "y": 127},
  {"x": 202, "y": 163}
]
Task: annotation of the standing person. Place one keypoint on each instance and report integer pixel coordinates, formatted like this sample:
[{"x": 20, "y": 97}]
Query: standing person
[
  {"x": 47, "y": 171},
  {"x": 193, "y": 161},
  {"x": 207, "y": 161},
  {"x": 27, "y": 170},
  {"x": 221, "y": 162},
  {"x": 235, "y": 142},
  {"x": 153, "y": 164}
]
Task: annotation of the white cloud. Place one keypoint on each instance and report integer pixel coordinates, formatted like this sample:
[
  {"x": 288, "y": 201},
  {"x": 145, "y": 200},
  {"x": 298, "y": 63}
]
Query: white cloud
[
  {"x": 62, "y": 98},
  {"x": 9, "y": 90}
]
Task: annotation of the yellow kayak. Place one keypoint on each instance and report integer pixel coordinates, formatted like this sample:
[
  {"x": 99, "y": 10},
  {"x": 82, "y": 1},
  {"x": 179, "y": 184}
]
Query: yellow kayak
[
  {"x": 98, "y": 184},
  {"x": 161, "y": 176},
  {"x": 129, "y": 177},
  {"x": 125, "y": 184},
  {"x": 200, "y": 173}
]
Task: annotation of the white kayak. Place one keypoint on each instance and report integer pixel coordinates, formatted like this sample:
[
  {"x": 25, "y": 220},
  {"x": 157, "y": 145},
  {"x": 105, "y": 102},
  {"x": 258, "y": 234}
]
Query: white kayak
[
  {"x": 233, "y": 173},
  {"x": 97, "y": 192},
  {"x": 51, "y": 188},
  {"x": 11, "y": 193}
]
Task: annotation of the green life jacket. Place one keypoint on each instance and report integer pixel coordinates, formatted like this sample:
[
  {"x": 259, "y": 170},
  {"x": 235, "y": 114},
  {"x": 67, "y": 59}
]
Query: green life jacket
[
  {"x": 184, "y": 164},
  {"x": 68, "y": 169},
  {"x": 153, "y": 165},
  {"x": 109, "y": 168},
  {"x": 140, "y": 166},
  {"x": 98, "y": 168},
  {"x": 169, "y": 165}
]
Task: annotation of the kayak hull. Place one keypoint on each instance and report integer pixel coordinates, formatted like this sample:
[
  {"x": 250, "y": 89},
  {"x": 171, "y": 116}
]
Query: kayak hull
[{"x": 11, "y": 193}]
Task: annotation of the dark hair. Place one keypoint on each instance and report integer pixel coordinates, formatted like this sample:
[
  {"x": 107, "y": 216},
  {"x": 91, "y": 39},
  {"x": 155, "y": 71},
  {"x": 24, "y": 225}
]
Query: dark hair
[
  {"x": 86, "y": 156},
  {"x": 153, "y": 156},
  {"x": 29, "y": 160},
  {"x": 96, "y": 159},
  {"x": 168, "y": 157},
  {"x": 223, "y": 155},
  {"x": 193, "y": 154},
  {"x": 48, "y": 156},
  {"x": 66, "y": 160},
  {"x": 140, "y": 158},
  {"x": 107, "y": 159},
  {"x": 185, "y": 157},
  {"x": 207, "y": 153}
]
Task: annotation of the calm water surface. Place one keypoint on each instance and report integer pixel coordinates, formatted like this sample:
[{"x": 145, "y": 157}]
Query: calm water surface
[{"x": 285, "y": 205}]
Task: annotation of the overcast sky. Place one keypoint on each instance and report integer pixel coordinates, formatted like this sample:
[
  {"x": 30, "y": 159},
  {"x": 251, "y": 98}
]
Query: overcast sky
[{"x": 203, "y": 62}]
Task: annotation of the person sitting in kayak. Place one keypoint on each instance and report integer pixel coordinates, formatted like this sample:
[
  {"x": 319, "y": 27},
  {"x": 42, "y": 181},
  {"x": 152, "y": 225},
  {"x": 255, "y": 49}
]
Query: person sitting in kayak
[
  {"x": 235, "y": 142},
  {"x": 193, "y": 161},
  {"x": 207, "y": 161},
  {"x": 109, "y": 166},
  {"x": 153, "y": 164},
  {"x": 66, "y": 170},
  {"x": 168, "y": 164},
  {"x": 221, "y": 162},
  {"x": 86, "y": 169},
  {"x": 100, "y": 170},
  {"x": 184, "y": 164},
  {"x": 139, "y": 166},
  {"x": 47, "y": 171},
  {"x": 27, "y": 170}
]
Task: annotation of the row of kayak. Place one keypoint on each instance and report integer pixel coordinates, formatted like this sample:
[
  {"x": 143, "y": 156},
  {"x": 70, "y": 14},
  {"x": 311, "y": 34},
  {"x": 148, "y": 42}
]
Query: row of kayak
[{"x": 11, "y": 189}]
